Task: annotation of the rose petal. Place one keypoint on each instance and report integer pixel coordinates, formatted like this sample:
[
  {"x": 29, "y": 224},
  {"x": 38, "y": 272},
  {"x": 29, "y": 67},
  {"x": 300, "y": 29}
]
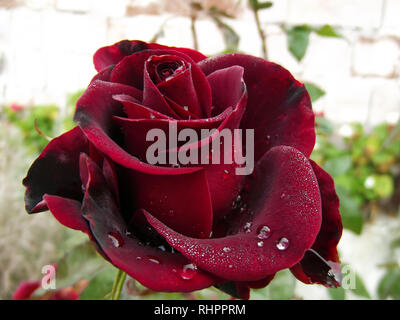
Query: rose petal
[
  {"x": 227, "y": 88},
  {"x": 297, "y": 218},
  {"x": 135, "y": 110},
  {"x": 278, "y": 108},
  {"x": 315, "y": 266},
  {"x": 185, "y": 207},
  {"x": 104, "y": 74},
  {"x": 181, "y": 90},
  {"x": 155, "y": 269},
  {"x": 94, "y": 114},
  {"x": 56, "y": 170},
  {"x": 115, "y": 53},
  {"x": 180, "y": 111},
  {"x": 131, "y": 71},
  {"x": 135, "y": 130},
  {"x": 67, "y": 212},
  {"x": 25, "y": 290},
  {"x": 241, "y": 289}
]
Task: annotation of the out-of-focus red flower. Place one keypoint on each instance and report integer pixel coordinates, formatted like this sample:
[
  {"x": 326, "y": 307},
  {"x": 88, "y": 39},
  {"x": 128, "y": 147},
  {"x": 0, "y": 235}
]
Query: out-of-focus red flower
[
  {"x": 26, "y": 291},
  {"x": 16, "y": 107}
]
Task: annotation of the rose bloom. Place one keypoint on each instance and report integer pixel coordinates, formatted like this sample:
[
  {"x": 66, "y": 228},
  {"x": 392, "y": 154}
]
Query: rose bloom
[{"x": 180, "y": 228}]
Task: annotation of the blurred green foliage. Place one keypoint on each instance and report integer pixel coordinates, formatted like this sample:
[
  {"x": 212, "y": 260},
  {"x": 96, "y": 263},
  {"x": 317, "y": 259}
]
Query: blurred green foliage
[
  {"x": 44, "y": 117},
  {"x": 365, "y": 167}
]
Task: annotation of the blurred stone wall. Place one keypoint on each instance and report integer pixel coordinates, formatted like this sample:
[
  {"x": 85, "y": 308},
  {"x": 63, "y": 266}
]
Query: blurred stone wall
[{"x": 46, "y": 47}]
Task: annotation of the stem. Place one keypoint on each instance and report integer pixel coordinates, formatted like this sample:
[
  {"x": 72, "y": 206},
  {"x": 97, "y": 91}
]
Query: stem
[
  {"x": 117, "y": 285},
  {"x": 261, "y": 34},
  {"x": 194, "y": 32}
]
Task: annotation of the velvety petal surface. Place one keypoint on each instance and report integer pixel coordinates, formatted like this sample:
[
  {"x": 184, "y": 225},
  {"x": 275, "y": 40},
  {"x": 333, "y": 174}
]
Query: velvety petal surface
[
  {"x": 182, "y": 202},
  {"x": 278, "y": 108},
  {"x": 25, "y": 290},
  {"x": 294, "y": 221},
  {"x": 126, "y": 252},
  {"x": 56, "y": 170},
  {"x": 131, "y": 71},
  {"x": 113, "y": 54},
  {"x": 321, "y": 265},
  {"x": 94, "y": 114},
  {"x": 67, "y": 212}
]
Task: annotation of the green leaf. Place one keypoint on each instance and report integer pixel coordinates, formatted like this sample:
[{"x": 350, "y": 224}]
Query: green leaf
[
  {"x": 384, "y": 185},
  {"x": 327, "y": 31},
  {"x": 314, "y": 91},
  {"x": 257, "y": 5},
  {"x": 350, "y": 211},
  {"x": 360, "y": 289},
  {"x": 281, "y": 288},
  {"x": 82, "y": 262},
  {"x": 337, "y": 293},
  {"x": 100, "y": 285},
  {"x": 339, "y": 165},
  {"x": 298, "y": 38},
  {"x": 389, "y": 286},
  {"x": 231, "y": 38}
]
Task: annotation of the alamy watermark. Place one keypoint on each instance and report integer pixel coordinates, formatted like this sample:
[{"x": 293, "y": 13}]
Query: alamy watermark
[
  {"x": 203, "y": 148},
  {"x": 49, "y": 278}
]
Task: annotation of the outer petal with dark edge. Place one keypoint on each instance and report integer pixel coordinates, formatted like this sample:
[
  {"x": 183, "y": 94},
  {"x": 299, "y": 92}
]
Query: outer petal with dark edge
[
  {"x": 126, "y": 252},
  {"x": 320, "y": 265},
  {"x": 278, "y": 107},
  {"x": 295, "y": 216},
  {"x": 113, "y": 54},
  {"x": 56, "y": 171},
  {"x": 94, "y": 114}
]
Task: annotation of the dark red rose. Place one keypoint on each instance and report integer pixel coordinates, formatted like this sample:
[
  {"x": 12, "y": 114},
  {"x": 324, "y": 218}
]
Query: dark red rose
[{"x": 186, "y": 227}]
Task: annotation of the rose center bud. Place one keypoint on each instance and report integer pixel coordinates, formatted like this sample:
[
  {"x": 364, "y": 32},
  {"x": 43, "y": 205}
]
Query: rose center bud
[{"x": 164, "y": 68}]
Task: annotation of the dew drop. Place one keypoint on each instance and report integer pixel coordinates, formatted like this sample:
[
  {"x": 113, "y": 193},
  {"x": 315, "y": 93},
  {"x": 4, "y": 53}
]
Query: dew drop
[
  {"x": 138, "y": 258},
  {"x": 116, "y": 239},
  {"x": 264, "y": 233},
  {"x": 128, "y": 233},
  {"x": 152, "y": 116},
  {"x": 226, "y": 249},
  {"x": 162, "y": 248},
  {"x": 154, "y": 260},
  {"x": 247, "y": 227},
  {"x": 186, "y": 108},
  {"x": 282, "y": 244},
  {"x": 225, "y": 174},
  {"x": 188, "y": 271},
  {"x": 260, "y": 244},
  {"x": 283, "y": 195}
]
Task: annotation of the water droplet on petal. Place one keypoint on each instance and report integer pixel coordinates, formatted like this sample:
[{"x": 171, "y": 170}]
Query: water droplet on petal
[
  {"x": 282, "y": 244},
  {"x": 186, "y": 108},
  {"x": 260, "y": 244},
  {"x": 116, "y": 239},
  {"x": 226, "y": 249},
  {"x": 225, "y": 174},
  {"x": 247, "y": 227},
  {"x": 154, "y": 260},
  {"x": 162, "y": 248},
  {"x": 283, "y": 195},
  {"x": 138, "y": 258},
  {"x": 264, "y": 233},
  {"x": 152, "y": 116},
  {"x": 188, "y": 271}
]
